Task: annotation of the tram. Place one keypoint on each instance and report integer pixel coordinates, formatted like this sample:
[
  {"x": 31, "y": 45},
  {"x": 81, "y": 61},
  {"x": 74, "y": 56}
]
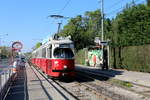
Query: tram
[{"x": 55, "y": 58}]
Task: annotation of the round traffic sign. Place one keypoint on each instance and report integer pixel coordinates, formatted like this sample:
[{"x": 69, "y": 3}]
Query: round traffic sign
[{"x": 17, "y": 45}]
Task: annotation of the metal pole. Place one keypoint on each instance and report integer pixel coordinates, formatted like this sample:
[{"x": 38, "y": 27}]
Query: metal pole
[
  {"x": 108, "y": 55},
  {"x": 0, "y": 87},
  {"x": 12, "y": 56},
  {"x": 0, "y": 82},
  {"x": 59, "y": 26},
  {"x": 102, "y": 29},
  {"x": 58, "y": 31},
  {"x": 102, "y": 20}
]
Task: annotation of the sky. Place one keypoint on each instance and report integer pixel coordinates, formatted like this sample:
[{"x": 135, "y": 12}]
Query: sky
[{"x": 26, "y": 20}]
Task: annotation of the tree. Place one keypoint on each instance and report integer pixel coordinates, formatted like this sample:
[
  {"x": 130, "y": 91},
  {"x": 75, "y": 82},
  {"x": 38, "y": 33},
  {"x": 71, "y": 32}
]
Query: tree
[
  {"x": 148, "y": 3},
  {"x": 38, "y": 45},
  {"x": 83, "y": 29},
  {"x": 5, "y": 52},
  {"x": 133, "y": 25}
]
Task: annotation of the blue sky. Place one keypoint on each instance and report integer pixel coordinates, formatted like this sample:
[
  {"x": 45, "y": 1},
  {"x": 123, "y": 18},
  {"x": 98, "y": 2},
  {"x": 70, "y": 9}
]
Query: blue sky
[{"x": 26, "y": 20}]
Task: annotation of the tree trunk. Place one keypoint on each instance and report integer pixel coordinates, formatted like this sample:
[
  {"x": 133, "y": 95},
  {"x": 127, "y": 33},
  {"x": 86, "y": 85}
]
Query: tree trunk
[
  {"x": 114, "y": 63},
  {"x": 120, "y": 60}
]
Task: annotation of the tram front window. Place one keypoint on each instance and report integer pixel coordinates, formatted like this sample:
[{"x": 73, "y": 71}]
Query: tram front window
[{"x": 63, "y": 53}]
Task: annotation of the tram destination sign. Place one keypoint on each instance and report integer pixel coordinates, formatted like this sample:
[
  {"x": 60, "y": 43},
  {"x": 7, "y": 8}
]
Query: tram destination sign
[{"x": 66, "y": 46}]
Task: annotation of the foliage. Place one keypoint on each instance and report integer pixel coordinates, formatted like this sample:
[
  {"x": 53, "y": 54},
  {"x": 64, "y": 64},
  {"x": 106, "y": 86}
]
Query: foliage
[
  {"x": 83, "y": 29},
  {"x": 134, "y": 58},
  {"x": 133, "y": 26},
  {"x": 81, "y": 56},
  {"x": 38, "y": 45},
  {"x": 148, "y": 3},
  {"x": 130, "y": 29},
  {"x": 5, "y": 52},
  {"x": 121, "y": 83}
]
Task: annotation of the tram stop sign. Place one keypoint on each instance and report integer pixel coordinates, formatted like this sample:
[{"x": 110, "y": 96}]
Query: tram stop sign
[{"x": 17, "y": 45}]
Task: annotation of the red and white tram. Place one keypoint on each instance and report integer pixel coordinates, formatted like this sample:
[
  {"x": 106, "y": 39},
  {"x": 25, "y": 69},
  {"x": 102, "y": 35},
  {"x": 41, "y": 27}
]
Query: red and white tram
[{"x": 55, "y": 58}]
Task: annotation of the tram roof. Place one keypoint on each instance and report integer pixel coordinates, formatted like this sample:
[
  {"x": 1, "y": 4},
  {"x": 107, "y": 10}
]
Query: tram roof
[
  {"x": 61, "y": 41},
  {"x": 66, "y": 41}
]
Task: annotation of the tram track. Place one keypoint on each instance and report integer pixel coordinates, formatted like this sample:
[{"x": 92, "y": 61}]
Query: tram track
[
  {"x": 62, "y": 91},
  {"x": 100, "y": 79},
  {"x": 105, "y": 75},
  {"x": 87, "y": 87},
  {"x": 84, "y": 91},
  {"x": 78, "y": 90}
]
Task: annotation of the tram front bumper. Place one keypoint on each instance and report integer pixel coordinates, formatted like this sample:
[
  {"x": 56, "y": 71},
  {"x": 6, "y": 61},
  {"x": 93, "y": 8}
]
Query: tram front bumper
[{"x": 63, "y": 71}]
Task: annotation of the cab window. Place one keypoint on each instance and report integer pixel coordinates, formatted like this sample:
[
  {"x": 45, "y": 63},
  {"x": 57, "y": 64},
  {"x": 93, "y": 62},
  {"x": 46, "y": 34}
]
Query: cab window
[{"x": 63, "y": 53}]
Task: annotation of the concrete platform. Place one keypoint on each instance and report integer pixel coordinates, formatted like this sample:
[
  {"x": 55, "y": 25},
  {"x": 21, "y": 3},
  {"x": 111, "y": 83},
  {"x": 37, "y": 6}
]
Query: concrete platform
[
  {"x": 30, "y": 85},
  {"x": 17, "y": 90}
]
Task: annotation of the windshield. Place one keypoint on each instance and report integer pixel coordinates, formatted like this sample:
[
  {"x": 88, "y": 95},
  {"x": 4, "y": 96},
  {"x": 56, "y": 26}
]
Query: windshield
[{"x": 63, "y": 53}]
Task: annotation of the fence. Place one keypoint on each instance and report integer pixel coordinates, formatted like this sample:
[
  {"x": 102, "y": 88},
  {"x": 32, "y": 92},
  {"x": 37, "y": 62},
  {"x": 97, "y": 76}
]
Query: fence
[
  {"x": 135, "y": 58},
  {"x": 5, "y": 77}
]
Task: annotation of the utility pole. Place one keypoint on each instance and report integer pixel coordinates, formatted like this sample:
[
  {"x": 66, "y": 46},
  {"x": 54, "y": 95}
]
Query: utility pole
[
  {"x": 102, "y": 21},
  {"x": 102, "y": 31}
]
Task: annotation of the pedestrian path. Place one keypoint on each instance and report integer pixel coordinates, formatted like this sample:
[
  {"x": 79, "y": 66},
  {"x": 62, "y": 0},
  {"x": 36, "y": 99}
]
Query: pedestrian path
[
  {"x": 27, "y": 85},
  {"x": 36, "y": 89},
  {"x": 17, "y": 89},
  {"x": 124, "y": 75}
]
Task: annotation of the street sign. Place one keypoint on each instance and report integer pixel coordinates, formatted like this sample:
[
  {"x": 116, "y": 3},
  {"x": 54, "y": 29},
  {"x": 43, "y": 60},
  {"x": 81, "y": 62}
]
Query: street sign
[
  {"x": 104, "y": 43},
  {"x": 17, "y": 45}
]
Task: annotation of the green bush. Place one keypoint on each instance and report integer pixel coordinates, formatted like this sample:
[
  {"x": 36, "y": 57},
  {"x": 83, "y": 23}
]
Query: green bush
[
  {"x": 80, "y": 57},
  {"x": 136, "y": 58}
]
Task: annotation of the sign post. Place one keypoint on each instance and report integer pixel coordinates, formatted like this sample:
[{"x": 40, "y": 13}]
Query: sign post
[{"x": 16, "y": 46}]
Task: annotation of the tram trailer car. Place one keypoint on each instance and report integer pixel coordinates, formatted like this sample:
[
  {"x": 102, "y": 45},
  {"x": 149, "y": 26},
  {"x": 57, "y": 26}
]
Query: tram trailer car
[{"x": 55, "y": 58}]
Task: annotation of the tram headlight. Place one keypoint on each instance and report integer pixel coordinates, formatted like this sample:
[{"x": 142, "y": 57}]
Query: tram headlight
[
  {"x": 65, "y": 67},
  {"x": 56, "y": 63}
]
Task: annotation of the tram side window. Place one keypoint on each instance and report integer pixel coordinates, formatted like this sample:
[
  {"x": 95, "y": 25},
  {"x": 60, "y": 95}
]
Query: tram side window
[
  {"x": 49, "y": 52},
  {"x": 44, "y": 52},
  {"x": 39, "y": 53},
  {"x": 33, "y": 55},
  {"x": 36, "y": 54}
]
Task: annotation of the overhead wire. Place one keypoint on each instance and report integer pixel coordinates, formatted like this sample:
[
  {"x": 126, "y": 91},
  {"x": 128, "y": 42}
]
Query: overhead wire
[
  {"x": 58, "y": 14},
  {"x": 119, "y": 9},
  {"x": 115, "y": 4},
  {"x": 64, "y": 6}
]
